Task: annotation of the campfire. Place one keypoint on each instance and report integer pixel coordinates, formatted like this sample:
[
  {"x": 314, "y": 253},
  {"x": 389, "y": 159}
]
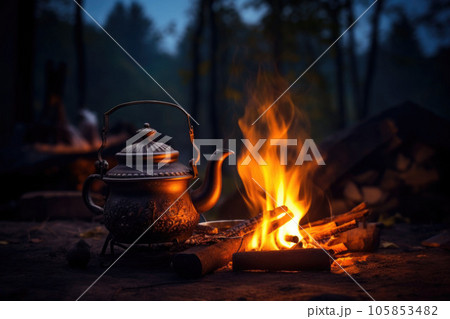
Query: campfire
[
  {"x": 282, "y": 176},
  {"x": 278, "y": 190},
  {"x": 278, "y": 177}
]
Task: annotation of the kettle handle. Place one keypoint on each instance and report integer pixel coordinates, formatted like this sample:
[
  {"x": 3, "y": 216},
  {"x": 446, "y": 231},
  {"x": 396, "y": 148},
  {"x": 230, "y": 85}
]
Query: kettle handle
[
  {"x": 87, "y": 195},
  {"x": 103, "y": 164}
]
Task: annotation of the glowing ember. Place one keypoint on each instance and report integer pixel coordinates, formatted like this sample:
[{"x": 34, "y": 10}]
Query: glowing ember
[{"x": 284, "y": 182}]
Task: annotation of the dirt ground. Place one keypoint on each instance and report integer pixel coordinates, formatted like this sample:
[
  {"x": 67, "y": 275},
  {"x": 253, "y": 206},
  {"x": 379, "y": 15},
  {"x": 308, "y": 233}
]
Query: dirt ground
[{"x": 34, "y": 267}]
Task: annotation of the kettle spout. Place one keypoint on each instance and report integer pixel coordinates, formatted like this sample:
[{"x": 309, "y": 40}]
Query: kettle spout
[{"x": 207, "y": 195}]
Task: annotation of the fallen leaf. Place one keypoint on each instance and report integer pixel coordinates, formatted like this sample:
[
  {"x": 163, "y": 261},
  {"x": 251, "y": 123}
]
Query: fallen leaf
[
  {"x": 388, "y": 244},
  {"x": 98, "y": 231},
  {"x": 390, "y": 221}
]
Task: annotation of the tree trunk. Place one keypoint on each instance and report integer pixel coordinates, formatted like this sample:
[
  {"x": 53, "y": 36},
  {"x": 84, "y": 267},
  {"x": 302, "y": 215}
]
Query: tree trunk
[
  {"x": 24, "y": 70},
  {"x": 80, "y": 57},
  {"x": 371, "y": 60},
  {"x": 196, "y": 43},
  {"x": 277, "y": 34},
  {"x": 353, "y": 63},
  {"x": 213, "y": 71},
  {"x": 334, "y": 11}
]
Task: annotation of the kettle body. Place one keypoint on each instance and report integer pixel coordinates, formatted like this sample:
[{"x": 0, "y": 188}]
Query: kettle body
[{"x": 152, "y": 201}]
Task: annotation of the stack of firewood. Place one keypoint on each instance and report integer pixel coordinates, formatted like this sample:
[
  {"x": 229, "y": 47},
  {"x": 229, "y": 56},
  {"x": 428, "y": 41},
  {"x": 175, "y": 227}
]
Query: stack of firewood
[
  {"x": 395, "y": 162},
  {"x": 348, "y": 231},
  {"x": 392, "y": 189}
]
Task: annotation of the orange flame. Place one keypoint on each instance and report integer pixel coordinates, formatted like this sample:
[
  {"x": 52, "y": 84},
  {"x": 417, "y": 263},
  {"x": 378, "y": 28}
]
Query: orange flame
[{"x": 283, "y": 182}]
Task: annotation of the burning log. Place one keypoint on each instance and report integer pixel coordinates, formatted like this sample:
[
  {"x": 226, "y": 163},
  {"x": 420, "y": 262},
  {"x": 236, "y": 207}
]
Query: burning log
[
  {"x": 251, "y": 224},
  {"x": 328, "y": 227},
  {"x": 279, "y": 260},
  {"x": 328, "y": 233},
  {"x": 336, "y": 249},
  {"x": 324, "y": 232},
  {"x": 292, "y": 239},
  {"x": 198, "y": 261},
  {"x": 356, "y": 213}
]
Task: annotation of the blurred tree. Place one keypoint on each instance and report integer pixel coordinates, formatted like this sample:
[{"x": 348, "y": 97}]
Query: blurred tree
[
  {"x": 213, "y": 34},
  {"x": 298, "y": 31},
  {"x": 273, "y": 27},
  {"x": 24, "y": 111},
  {"x": 234, "y": 61},
  {"x": 405, "y": 73},
  {"x": 275, "y": 24},
  {"x": 334, "y": 9},
  {"x": 213, "y": 52},
  {"x": 80, "y": 56},
  {"x": 134, "y": 30},
  {"x": 402, "y": 43},
  {"x": 353, "y": 60},
  {"x": 371, "y": 59},
  {"x": 196, "y": 58},
  {"x": 436, "y": 19}
]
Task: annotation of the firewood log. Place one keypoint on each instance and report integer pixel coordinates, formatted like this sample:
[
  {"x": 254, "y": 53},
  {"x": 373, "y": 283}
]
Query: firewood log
[
  {"x": 336, "y": 249},
  {"x": 292, "y": 239},
  {"x": 357, "y": 213},
  {"x": 319, "y": 232},
  {"x": 198, "y": 261},
  {"x": 276, "y": 260},
  {"x": 327, "y": 233}
]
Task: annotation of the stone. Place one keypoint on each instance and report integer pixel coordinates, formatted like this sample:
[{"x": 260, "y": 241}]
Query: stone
[
  {"x": 339, "y": 206},
  {"x": 422, "y": 153},
  {"x": 402, "y": 162},
  {"x": 366, "y": 178},
  {"x": 372, "y": 195},
  {"x": 352, "y": 192},
  {"x": 390, "y": 181},
  {"x": 79, "y": 255},
  {"x": 441, "y": 240},
  {"x": 418, "y": 177}
]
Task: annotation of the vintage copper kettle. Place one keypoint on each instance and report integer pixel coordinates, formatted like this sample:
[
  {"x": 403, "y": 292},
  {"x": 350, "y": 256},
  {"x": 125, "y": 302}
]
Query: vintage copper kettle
[{"x": 149, "y": 198}]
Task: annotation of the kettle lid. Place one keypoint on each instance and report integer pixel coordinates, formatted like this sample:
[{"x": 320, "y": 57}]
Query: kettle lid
[
  {"x": 149, "y": 144},
  {"x": 148, "y": 156}
]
